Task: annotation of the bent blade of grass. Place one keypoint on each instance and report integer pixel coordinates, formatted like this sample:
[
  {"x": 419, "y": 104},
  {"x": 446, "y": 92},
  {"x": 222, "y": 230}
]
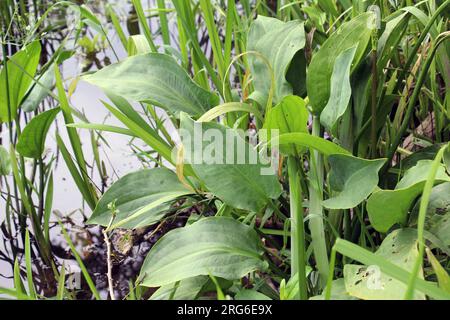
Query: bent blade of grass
[
  {"x": 18, "y": 284},
  {"x": 76, "y": 175},
  {"x": 48, "y": 207},
  {"x": 229, "y": 107},
  {"x": 90, "y": 196},
  {"x": 102, "y": 127},
  {"x": 117, "y": 27},
  {"x": 325, "y": 147},
  {"x": 163, "y": 22},
  {"x": 366, "y": 257}
]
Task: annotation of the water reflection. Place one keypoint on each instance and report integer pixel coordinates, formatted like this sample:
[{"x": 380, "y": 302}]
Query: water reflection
[{"x": 118, "y": 157}]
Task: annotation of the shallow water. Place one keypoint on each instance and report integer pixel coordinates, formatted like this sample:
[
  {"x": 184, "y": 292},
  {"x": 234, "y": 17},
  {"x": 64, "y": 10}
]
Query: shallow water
[{"x": 118, "y": 157}]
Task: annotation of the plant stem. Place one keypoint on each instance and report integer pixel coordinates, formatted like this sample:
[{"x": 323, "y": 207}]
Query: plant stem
[
  {"x": 316, "y": 210},
  {"x": 374, "y": 89},
  {"x": 297, "y": 228}
]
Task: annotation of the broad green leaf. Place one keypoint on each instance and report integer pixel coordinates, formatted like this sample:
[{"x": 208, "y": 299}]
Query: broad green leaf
[
  {"x": 187, "y": 289},
  {"x": 5, "y": 162},
  {"x": 39, "y": 91},
  {"x": 217, "y": 246},
  {"x": 250, "y": 294},
  {"x": 157, "y": 79},
  {"x": 388, "y": 207},
  {"x": 340, "y": 91},
  {"x": 21, "y": 70},
  {"x": 133, "y": 196},
  {"x": 353, "y": 178},
  {"x": 278, "y": 42},
  {"x": 31, "y": 142},
  {"x": 356, "y": 32},
  {"x": 290, "y": 115},
  {"x": 438, "y": 213},
  {"x": 369, "y": 283},
  {"x": 229, "y": 167}
]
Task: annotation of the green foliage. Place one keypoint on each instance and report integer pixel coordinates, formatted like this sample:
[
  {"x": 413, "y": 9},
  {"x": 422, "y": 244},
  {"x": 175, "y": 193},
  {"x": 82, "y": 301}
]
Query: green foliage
[
  {"x": 135, "y": 198},
  {"x": 289, "y": 116},
  {"x": 222, "y": 247},
  {"x": 353, "y": 178},
  {"x": 15, "y": 79},
  {"x": 157, "y": 79},
  {"x": 369, "y": 283},
  {"x": 31, "y": 143},
  {"x": 360, "y": 163},
  {"x": 357, "y": 33},
  {"x": 388, "y": 207},
  {"x": 220, "y": 171},
  {"x": 277, "y": 42}
]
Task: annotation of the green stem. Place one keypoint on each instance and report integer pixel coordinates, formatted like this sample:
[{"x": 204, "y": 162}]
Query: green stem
[
  {"x": 330, "y": 274},
  {"x": 316, "y": 210},
  {"x": 297, "y": 228}
]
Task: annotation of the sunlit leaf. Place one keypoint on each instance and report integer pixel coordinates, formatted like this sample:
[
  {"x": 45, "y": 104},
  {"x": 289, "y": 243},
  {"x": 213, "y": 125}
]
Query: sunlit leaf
[
  {"x": 133, "y": 195},
  {"x": 230, "y": 168},
  {"x": 21, "y": 70},
  {"x": 157, "y": 79},
  {"x": 217, "y": 246}
]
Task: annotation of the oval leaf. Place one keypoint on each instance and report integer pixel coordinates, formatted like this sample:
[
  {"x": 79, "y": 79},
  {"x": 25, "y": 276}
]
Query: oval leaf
[
  {"x": 340, "y": 91},
  {"x": 215, "y": 151},
  {"x": 40, "y": 90},
  {"x": 157, "y": 79},
  {"x": 137, "y": 198},
  {"x": 438, "y": 213},
  {"x": 31, "y": 142},
  {"x": 217, "y": 246},
  {"x": 354, "y": 179},
  {"x": 21, "y": 67},
  {"x": 356, "y": 32}
]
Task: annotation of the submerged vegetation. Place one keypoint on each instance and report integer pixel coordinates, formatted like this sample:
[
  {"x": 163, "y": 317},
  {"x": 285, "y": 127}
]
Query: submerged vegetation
[{"x": 289, "y": 149}]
